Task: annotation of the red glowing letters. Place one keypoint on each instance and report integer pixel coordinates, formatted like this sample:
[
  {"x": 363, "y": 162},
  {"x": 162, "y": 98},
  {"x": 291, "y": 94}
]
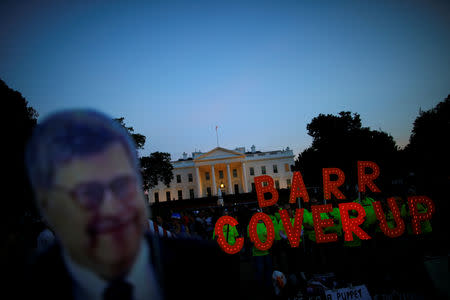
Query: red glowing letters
[
  {"x": 259, "y": 216},
  {"x": 320, "y": 223},
  {"x": 261, "y": 190},
  {"x": 417, "y": 217},
  {"x": 400, "y": 224},
  {"x": 367, "y": 179},
  {"x": 421, "y": 209},
  {"x": 351, "y": 225},
  {"x": 298, "y": 188},
  {"x": 331, "y": 187},
  {"x": 293, "y": 233},
  {"x": 221, "y": 240}
]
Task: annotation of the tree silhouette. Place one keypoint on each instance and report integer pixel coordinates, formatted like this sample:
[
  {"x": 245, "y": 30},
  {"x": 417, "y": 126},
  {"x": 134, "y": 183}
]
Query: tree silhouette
[
  {"x": 156, "y": 167},
  {"x": 139, "y": 139},
  {"x": 19, "y": 212},
  {"x": 340, "y": 141},
  {"x": 428, "y": 153},
  {"x": 429, "y": 148}
]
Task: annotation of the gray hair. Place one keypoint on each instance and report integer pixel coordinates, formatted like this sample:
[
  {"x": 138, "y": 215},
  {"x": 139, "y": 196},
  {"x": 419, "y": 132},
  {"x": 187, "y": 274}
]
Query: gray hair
[{"x": 70, "y": 134}]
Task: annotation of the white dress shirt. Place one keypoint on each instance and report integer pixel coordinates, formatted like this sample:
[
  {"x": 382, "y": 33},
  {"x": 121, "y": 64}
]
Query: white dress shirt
[{"x": 88, "y": 285}]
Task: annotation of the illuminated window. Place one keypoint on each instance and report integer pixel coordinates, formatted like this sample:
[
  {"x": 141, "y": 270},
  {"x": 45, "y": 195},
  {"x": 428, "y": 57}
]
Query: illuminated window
[{"x": 286, "y": 167}]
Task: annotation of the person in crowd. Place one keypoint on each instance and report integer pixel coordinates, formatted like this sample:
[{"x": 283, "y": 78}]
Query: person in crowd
[
  {"x": 294, "y": 256},
  {"x": 316, "y": 259},
  {"x": 209, "y": 221},
  {"x": 334, "y": 250},
  {"x": 230, "y": 232},
  {"x": 262, "y": 260},
  {"x": 85, "y": 174},
  {"x": 155, "y": 227},
  {"x": 277, "y": 247},
  {"x": 178, "y": 227}
]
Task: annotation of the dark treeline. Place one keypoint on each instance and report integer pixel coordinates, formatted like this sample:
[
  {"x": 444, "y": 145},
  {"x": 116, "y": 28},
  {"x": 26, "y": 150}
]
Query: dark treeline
[{"x": 422, "y": 166}]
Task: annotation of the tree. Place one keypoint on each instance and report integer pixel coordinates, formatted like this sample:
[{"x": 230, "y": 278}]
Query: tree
[
  {"x": 20, "y": 120},
  {"x": 19, "y": 212},
  {"x": 428, "y": 147},
  {"x": 428, "y": 151},
  {"x": 156, "y": 167},
  {"x": 139, "y": 139},
  {"x": 340, "y": 141}
]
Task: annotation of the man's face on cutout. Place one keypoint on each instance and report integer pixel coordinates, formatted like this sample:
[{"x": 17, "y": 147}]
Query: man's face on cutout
[{"x": 96, "y": 208}]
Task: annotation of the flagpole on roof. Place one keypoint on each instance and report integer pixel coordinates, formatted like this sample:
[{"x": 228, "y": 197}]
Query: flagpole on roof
[{"x": 217, "y": 136}]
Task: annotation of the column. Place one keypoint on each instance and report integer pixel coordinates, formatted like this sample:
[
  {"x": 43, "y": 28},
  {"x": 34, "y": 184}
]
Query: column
[
  {"x": 244, "y": 175},
  {"x": 214, "y": 187},
  {"x": 230, "y": 189},
  {"x": 199, "y": 186}
]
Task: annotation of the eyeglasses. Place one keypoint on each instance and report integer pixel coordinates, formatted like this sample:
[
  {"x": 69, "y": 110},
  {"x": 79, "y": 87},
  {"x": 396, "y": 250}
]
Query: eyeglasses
[{"x": 90, "y": 195}]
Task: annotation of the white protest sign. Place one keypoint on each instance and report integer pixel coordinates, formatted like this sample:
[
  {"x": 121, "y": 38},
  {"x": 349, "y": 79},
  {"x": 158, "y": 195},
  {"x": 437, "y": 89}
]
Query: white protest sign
[{"x": 356, "y": 292}]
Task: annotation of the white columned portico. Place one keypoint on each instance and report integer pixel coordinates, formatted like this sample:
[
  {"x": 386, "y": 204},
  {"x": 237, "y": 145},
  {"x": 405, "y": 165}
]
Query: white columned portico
[
  {"x": 230, "y": 190},
  {"x": 244, "y": 175},
  {"x": 214, "y": 181},
  {"x": 199, "y": 186}
]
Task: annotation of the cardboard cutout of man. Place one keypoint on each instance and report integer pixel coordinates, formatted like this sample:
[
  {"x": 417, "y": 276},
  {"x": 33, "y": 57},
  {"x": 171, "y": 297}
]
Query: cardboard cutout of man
[{"x": 84, "y": 170}]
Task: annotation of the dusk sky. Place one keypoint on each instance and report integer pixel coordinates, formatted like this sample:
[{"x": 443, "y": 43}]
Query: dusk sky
[{"x": 259, "y": 70}]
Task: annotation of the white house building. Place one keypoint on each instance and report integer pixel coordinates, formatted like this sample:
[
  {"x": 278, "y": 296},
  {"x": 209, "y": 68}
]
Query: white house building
[{"x": 232, "y": 171}]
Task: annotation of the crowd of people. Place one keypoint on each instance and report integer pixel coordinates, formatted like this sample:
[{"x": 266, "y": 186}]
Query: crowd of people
[{"x": 380, "y": 262}]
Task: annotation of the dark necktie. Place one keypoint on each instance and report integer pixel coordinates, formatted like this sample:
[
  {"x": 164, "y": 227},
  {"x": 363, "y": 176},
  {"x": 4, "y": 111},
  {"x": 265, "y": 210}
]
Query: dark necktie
[{"x": 118, "y": 289}]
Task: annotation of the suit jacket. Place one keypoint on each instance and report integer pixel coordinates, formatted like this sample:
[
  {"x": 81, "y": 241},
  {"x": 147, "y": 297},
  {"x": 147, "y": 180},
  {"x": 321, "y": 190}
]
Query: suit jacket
[{"x": 184, "y": 268}]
